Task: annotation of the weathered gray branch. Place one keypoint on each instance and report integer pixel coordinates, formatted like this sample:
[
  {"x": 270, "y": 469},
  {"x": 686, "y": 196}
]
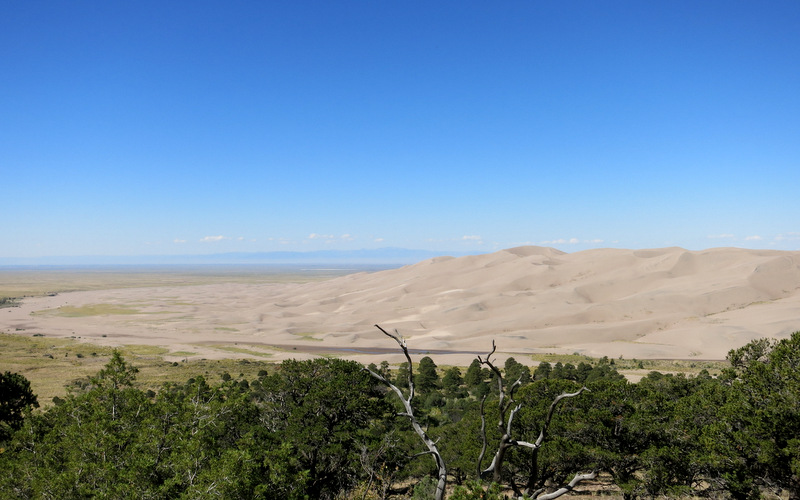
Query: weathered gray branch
[
  {"x": 483, "y": 435},
  {"x": 506, "y": 421},
  {"x": 552, "y": 409},
  {"x": 566, "y": 489},
  {"x": 496, "y": 467},
  {"x": 409, "y": 413},
  {"x": 511, "y": 418}
]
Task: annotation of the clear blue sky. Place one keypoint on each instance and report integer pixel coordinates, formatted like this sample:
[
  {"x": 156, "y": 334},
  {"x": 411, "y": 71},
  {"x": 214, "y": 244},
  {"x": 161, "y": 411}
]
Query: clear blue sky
[{"x": 134, "y": 128}]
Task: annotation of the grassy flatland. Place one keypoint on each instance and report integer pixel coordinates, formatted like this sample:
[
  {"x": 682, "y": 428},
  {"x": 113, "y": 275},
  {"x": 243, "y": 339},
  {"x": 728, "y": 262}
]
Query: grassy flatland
[
  {"x": 26, "y": 281},
  {"x": 242, "y": 350},
  {"x": 52, "y": 363},
  {"x": 182, "y": 353},
  {"x": 307, "y": 336},
  {"x": 692, "y": 366},
  {"x": 90, "y": 310}
]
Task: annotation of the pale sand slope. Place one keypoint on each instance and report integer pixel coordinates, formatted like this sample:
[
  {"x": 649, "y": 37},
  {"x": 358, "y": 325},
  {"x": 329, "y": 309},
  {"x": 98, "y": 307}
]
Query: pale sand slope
[{"x": 661, "y": 303}]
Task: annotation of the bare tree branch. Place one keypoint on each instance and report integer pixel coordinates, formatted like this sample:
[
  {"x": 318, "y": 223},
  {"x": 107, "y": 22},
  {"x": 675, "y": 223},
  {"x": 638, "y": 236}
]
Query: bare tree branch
[
  {"x": 566, "y": 489},
  {"x": 496, "y": 467},
  {"x": 483, "y": 434},
  {"x": 543, "y": 432},
  {"x": 511, "y": 418},
  {"x": 506, "y": 417},
  {"x": 409, "y": 413},
  {"x": 552, "y": 409},
  {"x": 402, "y": 343}
]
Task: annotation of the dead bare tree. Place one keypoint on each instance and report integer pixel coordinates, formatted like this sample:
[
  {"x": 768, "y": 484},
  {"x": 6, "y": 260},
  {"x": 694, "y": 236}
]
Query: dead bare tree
[
  {"x": 536, "y": 446},
  {"x": 506, "y": 399},
  {"x": 504, "y": 425},
  {"x": 409, "y": 413}
]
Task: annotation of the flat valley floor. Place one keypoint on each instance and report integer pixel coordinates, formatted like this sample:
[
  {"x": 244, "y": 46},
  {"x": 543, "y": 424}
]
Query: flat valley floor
[{"x": 644, "y": 304}]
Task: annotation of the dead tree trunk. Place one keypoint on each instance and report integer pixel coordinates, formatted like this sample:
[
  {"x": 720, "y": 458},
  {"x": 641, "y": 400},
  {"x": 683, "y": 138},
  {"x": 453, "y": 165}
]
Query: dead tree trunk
[
  {"x": 535, "y": 446},
  {"x": 504, "y": 425},
  {"x": 409, "y": 413},
  {"x": 505, "y": 402},
  {"x": 483, "y": 435}
]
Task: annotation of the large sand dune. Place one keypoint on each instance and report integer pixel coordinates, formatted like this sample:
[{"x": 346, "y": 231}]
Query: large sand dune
[{"x": 659, "y": 303}]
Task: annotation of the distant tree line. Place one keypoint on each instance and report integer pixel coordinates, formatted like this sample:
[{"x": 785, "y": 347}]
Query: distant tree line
[{"x": 327, "y": 429}]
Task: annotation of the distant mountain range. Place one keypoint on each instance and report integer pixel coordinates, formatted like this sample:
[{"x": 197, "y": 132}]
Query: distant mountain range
[{"x": 383, "y": 256}]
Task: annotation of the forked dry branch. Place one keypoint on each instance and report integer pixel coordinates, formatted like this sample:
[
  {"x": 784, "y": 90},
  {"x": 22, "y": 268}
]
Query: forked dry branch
[
  {"x": 505, "y": 423},
  {"x": 409, "y": 413}
]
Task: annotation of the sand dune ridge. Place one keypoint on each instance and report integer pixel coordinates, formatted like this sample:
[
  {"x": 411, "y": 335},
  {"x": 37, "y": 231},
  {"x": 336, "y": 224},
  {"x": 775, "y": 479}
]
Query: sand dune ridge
[{"x": 649, "y": 303}]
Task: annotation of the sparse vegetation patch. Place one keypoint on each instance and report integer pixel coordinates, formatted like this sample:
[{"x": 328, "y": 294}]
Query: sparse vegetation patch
[
  {"x": 241, "y": 350},
  {"x": 307, "y": 336},
  {"x": 90, "y": 310}
]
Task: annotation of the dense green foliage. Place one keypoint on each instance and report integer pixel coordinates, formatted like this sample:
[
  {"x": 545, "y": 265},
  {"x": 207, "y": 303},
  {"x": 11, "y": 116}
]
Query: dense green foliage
[
  {"x": 289, "y": 435},
  {"x": 16, "y": 398},
  {"x": 326, "y": 429}
]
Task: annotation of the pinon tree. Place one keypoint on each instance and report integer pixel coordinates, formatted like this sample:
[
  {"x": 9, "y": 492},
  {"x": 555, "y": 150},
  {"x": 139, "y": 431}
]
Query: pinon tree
[
  {"x": 452, "y": 382},
  {"x": 427, "y": 378},
  {"x": 323, "y": 409},
  {"x": 16, "y": 397},
  {"x": 755, "y": 445},
  {"x": 297, "y": 437},
  {"x": 84, "y": 446}
]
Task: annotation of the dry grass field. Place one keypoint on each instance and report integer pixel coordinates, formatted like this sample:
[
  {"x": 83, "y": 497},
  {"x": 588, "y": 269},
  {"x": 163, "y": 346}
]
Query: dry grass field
[
  {"x": 25, "y": 281},
  {"x": 52, "y": 363}
]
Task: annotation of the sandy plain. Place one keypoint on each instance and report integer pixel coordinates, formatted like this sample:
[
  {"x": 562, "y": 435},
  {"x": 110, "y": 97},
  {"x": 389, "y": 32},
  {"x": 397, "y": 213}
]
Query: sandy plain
[{"x": 666, "y": 303}]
